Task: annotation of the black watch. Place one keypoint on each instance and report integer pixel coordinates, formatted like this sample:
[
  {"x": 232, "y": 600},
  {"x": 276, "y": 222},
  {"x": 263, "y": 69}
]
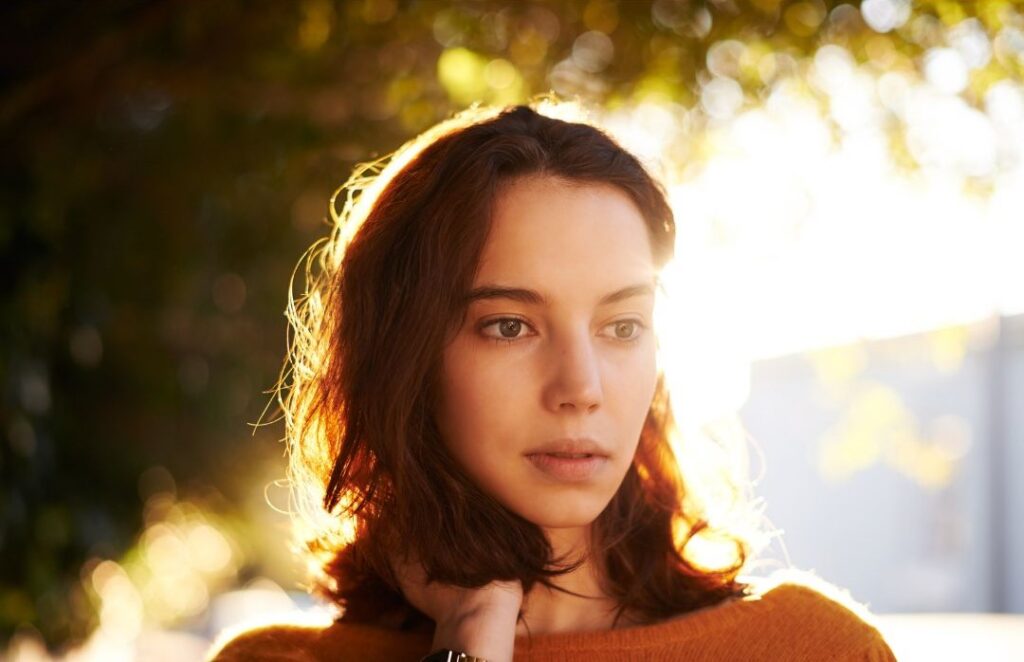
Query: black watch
[{"x": 448, "y": 655}]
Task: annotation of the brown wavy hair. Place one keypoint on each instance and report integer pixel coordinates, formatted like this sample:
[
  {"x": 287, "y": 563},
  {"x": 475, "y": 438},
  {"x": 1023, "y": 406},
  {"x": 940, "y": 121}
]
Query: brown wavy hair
[{"x": 384, "y": 294}]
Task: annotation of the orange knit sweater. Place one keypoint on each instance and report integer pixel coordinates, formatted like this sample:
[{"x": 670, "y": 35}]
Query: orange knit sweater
[{"x": 790, "y": 620}]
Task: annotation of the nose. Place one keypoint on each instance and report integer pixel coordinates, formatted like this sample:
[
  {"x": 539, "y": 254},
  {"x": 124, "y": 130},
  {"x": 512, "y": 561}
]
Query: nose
[{"x": 574, "y": 382}]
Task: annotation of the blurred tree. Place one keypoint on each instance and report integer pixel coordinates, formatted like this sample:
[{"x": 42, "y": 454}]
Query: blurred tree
[{"x": 165, "y": 164}]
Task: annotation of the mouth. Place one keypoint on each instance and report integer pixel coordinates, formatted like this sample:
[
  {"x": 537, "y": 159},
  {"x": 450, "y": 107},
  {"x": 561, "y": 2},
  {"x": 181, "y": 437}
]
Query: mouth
[
  {"x": 573, "y": 448},
  {"x": 574, "y": 456},
  {"x": 568, "y": 467}
]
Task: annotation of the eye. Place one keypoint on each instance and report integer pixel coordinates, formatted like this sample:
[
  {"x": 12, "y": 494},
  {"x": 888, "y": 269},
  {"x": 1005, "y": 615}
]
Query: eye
[
  {"x": 626, "y": 330},
  {"x": 508, "y": 329}
]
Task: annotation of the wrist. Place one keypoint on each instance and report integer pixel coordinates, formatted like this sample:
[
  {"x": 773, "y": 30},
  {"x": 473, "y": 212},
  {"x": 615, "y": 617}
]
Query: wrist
[{"x": 485, "y": 633}]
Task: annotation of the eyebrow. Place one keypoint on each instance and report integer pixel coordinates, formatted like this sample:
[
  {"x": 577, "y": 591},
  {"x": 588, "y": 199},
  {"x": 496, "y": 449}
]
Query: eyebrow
[{"x": 533, "y": 297}]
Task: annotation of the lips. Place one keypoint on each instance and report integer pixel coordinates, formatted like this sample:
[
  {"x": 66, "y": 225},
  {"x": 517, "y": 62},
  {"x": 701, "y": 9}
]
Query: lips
[
  {"x": 576, "y": 459},
  {"x": 570, "y": 447},
  {"x": 569, "y": 456},
  {"x": 565, "y": 468}
]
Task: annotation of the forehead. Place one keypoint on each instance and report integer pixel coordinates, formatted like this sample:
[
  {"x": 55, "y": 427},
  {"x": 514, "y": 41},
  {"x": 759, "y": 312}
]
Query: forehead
[{"x": 550, "y": 233}]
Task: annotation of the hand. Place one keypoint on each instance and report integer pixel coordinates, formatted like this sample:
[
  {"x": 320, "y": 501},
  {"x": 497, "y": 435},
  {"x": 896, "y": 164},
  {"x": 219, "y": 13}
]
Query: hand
[{"x": 478, "y": 621}]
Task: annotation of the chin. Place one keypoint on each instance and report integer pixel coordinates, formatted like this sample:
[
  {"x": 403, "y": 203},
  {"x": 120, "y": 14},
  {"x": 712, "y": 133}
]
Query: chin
[{"x": 565, "y": 514}]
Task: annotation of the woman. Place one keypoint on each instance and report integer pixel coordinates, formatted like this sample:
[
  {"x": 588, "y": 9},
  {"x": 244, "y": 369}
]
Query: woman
[{"x": 480, "y": 435}]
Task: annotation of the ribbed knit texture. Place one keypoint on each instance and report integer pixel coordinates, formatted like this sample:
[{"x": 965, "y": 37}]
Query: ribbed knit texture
[{"x": 788, "y": 620}]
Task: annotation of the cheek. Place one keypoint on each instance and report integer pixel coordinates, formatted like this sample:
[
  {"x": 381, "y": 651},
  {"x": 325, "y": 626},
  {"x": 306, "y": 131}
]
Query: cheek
[
  {"x": 631, "y": 389},
  {"x": 479, "y": 399}
]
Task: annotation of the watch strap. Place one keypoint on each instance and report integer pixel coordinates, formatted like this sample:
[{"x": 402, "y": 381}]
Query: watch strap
[{"x": 448, "y": 655}]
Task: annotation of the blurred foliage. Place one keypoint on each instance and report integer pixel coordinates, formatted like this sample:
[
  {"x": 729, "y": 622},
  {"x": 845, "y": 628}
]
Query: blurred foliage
[{"x": 167, "y": 162}]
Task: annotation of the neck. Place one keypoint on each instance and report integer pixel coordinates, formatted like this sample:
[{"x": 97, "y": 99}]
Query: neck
[{"x": 546, "y": 610}]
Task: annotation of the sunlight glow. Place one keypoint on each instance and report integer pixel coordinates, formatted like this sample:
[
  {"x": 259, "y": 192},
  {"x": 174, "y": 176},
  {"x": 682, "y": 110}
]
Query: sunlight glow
[{"x": 832, "y": 241}]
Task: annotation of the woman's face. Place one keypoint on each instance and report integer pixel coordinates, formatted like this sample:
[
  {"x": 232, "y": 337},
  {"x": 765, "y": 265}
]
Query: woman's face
[{"x": 556, "y": 354}]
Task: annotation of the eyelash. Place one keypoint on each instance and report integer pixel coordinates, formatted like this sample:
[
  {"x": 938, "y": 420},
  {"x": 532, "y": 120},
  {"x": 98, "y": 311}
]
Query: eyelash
[{"x": 508, "y": 341}]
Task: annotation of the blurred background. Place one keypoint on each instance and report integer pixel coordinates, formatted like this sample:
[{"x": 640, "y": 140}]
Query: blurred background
[{"x": 848, "y": 180}]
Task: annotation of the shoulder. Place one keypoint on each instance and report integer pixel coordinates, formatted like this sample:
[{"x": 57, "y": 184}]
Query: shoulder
[
  {"x": 265, "y": 642},
  {"x": 282, "y": 642},
  {"x": 789, "y": 616},
  {"x": 799, "y": 611}
]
